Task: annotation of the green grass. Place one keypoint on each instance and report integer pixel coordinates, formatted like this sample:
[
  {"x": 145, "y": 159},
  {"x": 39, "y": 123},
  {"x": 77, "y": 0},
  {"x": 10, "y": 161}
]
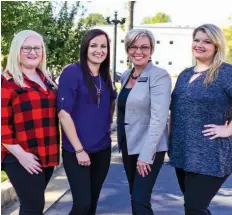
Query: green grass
[
  {"x": 3, "y": 176},
  {"x": 118, "y": 86}
]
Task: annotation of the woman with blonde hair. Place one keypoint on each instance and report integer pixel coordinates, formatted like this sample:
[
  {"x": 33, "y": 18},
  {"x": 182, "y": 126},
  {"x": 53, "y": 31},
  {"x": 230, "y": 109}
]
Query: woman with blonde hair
[
  {"x": 201, "y": 126},
  {"x": 30, "y": 135},
  {"x": 143, "y": 108}
]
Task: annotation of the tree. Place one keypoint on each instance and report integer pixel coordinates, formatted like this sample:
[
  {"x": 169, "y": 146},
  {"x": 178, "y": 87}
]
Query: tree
[
  {"x": 131, "y": 5},
  {"x": 93, "y": 19},
  {"x": 158, "y": 18},
  {"x": 22, "y": 15},
  {"x": 62, "y": 34},
  {"x": 228, "y": 35}
]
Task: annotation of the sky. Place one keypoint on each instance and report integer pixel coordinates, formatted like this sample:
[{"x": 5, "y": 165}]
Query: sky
[{"x": 188, "y": 12}]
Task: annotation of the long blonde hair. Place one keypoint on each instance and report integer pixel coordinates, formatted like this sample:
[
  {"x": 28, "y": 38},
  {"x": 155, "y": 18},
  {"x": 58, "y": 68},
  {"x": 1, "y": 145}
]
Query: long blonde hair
[
  {"x": 218, "y": 39},
  {"x": 13, "y": 62}
]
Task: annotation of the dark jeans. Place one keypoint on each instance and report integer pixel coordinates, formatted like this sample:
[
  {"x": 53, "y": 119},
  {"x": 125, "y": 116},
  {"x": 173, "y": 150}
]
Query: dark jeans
[
  {"x": 141, "y": 187},
  {"x": 86, "y": 182},
  {"x": 29, "y": 188},
  {"x": 198, "y": 191}
]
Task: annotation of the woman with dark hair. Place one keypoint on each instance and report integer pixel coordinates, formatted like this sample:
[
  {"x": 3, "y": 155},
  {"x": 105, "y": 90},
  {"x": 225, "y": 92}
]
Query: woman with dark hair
[{"x": 85, "y": 108}]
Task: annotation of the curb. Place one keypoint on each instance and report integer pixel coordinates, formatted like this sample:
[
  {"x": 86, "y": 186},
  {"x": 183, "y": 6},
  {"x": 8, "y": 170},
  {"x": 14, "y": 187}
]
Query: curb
[{"x": 7, "y": 193}]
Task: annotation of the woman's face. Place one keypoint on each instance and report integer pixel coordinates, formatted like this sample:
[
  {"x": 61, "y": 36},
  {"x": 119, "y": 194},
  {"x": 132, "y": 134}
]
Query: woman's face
[
  {"x": 31, "y": 52},
  {"x": 203, "y": 48},
  {"x": 140, "y": 51},
  {"x": 97, "y": 50}
]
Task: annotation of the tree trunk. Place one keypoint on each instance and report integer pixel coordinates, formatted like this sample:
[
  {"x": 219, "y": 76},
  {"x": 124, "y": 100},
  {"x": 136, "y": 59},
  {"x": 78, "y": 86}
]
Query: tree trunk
[{"x": 131, "y": 14}]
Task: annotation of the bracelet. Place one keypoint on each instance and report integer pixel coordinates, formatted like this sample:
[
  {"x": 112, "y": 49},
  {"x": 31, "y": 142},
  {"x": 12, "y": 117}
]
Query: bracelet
[{"x": 79, "y": 151}]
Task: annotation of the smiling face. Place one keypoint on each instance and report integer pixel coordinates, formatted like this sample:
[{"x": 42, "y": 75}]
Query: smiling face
[
  {"x": 31, "y": 53},
  {"x": 203, "y": 48},
  {"x": 97, "y": 50},
  {"x": 139, "y": 51}
]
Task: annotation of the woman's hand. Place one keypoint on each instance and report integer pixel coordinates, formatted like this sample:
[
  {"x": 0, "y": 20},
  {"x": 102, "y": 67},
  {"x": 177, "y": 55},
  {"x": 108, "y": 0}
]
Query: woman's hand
[
  {"x": 83, "y": 159},
  {"x": 30, "y": 162},
  {"x": 143, "y": 168},
  {"x": 216, "y": 131}
]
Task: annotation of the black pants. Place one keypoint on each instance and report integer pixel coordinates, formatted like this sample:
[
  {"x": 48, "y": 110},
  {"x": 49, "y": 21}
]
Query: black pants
[
  {"x": 198, "y": 191},
  {"x": 86, "y": 182},
  {"x": 141, "y": 187},
  {"x": 29, "y": 188}
]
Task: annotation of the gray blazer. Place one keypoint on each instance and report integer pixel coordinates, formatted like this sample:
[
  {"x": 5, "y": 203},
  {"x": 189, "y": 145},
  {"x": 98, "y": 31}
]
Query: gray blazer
[{"x": 146, "y": 114}]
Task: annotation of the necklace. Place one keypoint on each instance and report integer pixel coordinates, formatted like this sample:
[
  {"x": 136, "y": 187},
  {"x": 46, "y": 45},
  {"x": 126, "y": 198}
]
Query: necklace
[
  {"x": 98, "y": 91},
  {"x": 132, "y": 76}
]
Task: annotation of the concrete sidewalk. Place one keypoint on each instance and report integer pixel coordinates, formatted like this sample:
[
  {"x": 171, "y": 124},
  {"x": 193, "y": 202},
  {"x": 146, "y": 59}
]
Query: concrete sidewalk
[{"x": 166, "y": 197}]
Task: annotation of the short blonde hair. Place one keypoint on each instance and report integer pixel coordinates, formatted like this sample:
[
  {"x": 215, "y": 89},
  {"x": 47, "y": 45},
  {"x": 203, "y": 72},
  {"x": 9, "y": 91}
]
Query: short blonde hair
[
  {"x": 134, "y": 34},
  {"x": 13, "y": 61},
  {"x": 218, "y": 39}
]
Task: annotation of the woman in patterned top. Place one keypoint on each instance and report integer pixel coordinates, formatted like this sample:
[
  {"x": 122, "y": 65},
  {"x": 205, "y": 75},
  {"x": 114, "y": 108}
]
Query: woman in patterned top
[
  {"x": 201, "y": 127},
  {"x": 30, "y": 135}
]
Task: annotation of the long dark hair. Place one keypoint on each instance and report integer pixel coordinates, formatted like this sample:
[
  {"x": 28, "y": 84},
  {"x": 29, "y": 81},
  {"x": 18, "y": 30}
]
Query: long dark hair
[{"x": 104, "y": 70}]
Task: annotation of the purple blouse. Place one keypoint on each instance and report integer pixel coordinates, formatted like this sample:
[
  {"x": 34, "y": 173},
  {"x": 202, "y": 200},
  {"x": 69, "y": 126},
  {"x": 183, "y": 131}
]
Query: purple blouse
[{"x": 92, "y": 122}]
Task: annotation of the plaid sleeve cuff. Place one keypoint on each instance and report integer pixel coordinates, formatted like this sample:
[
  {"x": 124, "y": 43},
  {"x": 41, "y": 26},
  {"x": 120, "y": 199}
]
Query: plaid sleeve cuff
[{"x": 8, "y": 139}]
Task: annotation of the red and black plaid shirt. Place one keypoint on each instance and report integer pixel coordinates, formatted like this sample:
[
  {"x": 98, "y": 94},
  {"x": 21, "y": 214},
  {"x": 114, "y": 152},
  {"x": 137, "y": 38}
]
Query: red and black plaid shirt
[{"x": 29, "y": 118}]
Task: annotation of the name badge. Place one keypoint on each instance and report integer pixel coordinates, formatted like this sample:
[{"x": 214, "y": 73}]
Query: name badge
[{"x": 143, "y": 79}]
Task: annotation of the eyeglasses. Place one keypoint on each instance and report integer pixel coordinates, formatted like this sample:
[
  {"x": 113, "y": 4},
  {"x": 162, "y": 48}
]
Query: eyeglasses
[
  {"x": 28, "y": 49},
  {"x": 142, "y": 48}
]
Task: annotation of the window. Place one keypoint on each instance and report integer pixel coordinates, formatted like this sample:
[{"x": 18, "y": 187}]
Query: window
[
  {"x": 158, "y": 42},
  {"x": 122, "y": 41},
  {"x": 171, "y": 42},
  {"x": 170, "y": 63},
  {"x": 157, "y": 62},
  {"x": 121, "y": 61}
]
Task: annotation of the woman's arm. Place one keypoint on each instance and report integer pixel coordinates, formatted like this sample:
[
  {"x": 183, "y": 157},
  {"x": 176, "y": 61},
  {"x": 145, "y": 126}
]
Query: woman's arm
[
  {"x": 71, "y": 133},
  {"x": 28, "y": 160},
  {"x": 70, "y": 130},
  {"x": 9, "y": 141},
  {"x": 160, "y": 92},
  {"x": 66, "y": 99}
]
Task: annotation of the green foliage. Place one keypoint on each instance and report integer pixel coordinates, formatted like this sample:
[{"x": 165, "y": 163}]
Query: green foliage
[
  {"x": 93, "y": 19},
  {"x": 158, "y": 18},
  {"x": 3, "y": 61},
  {"x": 62, "y": 33},
  {"x": 122, "y": 27},
  {"x": 3, "y": 176},
  {"x": 228, "y": 35}
]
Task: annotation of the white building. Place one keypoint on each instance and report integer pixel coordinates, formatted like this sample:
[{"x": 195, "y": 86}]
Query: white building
[{"x": 172, "y": 48}]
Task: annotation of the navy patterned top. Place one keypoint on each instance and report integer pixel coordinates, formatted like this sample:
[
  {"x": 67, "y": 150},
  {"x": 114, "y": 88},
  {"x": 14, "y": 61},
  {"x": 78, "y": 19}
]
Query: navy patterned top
[{"x": 193, "y": 106}]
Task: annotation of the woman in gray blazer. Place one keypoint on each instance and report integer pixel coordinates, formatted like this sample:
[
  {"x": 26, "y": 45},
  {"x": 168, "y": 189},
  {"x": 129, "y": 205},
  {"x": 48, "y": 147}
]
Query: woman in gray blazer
[{"x": 143, "y": 108}]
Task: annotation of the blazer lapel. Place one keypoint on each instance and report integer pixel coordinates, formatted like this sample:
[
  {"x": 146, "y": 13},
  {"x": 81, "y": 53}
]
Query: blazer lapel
[
  {"x": 146, "y": 69},
  {"x": 127, "y": 75},
  {"x": 143, "y": 74}
]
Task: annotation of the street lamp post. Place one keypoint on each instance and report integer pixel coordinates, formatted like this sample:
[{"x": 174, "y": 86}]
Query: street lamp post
[{"x": 115, "y": 21}]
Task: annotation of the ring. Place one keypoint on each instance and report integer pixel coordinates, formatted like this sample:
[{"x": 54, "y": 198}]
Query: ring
[
  {"x": 137, "y": 167},
  {"x": 144, "y": 168}
]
